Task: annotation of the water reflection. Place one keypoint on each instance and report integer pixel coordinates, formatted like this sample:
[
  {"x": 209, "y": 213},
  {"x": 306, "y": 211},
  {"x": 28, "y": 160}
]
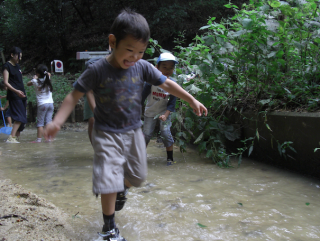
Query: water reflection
[{"x": 191, "y": 200}]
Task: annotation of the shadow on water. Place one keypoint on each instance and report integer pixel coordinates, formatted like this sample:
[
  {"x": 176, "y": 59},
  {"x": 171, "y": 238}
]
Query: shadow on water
[{"x": 191, "y": 200}]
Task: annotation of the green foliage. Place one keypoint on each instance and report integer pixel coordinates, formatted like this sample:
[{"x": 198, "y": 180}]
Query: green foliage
[
  {"x": 57, "y": 29},
  {"x": 265, "y": 57}
]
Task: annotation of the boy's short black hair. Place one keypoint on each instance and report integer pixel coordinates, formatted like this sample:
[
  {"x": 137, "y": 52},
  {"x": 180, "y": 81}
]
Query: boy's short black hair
[{"x": 130, "y": 22}]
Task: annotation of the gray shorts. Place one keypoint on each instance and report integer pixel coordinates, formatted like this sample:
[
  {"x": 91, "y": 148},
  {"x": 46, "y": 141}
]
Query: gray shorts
[
  {"x": 118, "y": 156},
  {"x": 44, "y": 114}
]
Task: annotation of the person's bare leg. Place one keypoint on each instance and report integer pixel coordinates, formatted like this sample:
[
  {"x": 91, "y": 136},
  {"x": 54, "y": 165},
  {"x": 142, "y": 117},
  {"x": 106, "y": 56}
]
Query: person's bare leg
[
  {"x": 108, "y": 213},
  {"x": 9, "y": 121},
  {"x": 90, "y": 127},
  {"x": 108, "y": 203},
  {"x": 40, "y": 131},
  {"x": 15, "y": 128},
  {"x": 127, "y": 183},
  {"x": 170, "y": 148},
  {"x": 18, "y": 134}
]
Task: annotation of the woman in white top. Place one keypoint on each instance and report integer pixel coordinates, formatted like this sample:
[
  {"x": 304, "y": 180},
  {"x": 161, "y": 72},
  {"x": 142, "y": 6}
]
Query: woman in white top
[{"x": 42, "y": 83}]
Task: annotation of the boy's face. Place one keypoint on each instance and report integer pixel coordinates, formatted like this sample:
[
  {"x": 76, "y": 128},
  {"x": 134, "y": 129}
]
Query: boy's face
[
  {"x": 166, "y": 68},
  {"x": 127, "y": 52}
]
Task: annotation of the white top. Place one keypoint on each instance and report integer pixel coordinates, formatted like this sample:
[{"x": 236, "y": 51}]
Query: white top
[
  {"x": 44, "y": 96},
  {"x": 157, "y": 102}
]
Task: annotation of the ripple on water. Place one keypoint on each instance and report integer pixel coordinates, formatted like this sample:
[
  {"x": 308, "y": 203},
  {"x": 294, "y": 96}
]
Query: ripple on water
[{"x": 191, "y": 200}]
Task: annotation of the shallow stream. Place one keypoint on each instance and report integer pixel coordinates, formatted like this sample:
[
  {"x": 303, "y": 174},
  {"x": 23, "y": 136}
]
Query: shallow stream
[{"x": 192, "y": 200}]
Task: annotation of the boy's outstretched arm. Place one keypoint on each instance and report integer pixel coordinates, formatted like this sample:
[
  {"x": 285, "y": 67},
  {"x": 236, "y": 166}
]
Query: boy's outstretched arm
[
  {"x": 175, "y": 89},
  {"x": 65, "y": 110}
]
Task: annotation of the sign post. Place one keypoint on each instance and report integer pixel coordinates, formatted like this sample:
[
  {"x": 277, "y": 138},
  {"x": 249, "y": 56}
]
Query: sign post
[{"x": 57, "y": 66}]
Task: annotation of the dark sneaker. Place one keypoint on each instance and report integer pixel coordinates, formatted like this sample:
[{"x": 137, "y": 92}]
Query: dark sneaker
[
  {"x": 121, "y": 199},
  {"x": 112, "y": 235},
  {"x": 170, "y": 162}
]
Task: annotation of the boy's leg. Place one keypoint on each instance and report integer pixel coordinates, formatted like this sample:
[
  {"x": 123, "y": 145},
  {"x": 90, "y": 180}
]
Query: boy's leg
[
  {"x": 108, "y": 161},
  {"x": 108, "y": 210},
  {"x": 107, "y": 203},
  {"x": 148, "y": 128},
  {"x": 167, "y": 139},
  {"x": 108, "y": 177},
  {"x": 109, "y": 158},
  {"x": 135, "y": 169},
  {"x": 109, "y": 229}
]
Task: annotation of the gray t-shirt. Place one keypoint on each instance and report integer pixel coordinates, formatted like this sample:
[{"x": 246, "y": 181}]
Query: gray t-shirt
[{"x": 117, "y": 93}]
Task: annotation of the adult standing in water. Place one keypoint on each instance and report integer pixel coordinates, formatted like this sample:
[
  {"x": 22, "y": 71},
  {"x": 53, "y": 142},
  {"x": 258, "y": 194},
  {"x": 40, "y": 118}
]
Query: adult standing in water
[{"x": 16, "y": 94}]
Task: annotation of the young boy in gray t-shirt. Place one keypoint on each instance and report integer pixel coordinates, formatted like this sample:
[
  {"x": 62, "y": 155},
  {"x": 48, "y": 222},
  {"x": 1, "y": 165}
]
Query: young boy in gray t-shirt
[{"x": 117, "y": 81}]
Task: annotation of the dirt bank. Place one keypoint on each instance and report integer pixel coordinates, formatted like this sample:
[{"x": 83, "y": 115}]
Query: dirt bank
[{"x": 25, "y": 216}]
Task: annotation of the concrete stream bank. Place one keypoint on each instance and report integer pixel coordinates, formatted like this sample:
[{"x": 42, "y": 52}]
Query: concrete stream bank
[{"x": 302, "y": 129}]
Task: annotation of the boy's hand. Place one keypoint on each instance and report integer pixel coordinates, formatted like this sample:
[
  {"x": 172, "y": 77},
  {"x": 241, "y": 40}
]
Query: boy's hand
[
  {"x": 163, "y": 117},
  {"x": 51, "y": 130},
  {"x": 198, "y": 108}
]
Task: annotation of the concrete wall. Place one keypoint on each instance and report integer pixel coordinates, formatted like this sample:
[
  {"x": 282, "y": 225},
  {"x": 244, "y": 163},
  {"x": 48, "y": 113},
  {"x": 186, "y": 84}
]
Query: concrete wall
[{"x": 303, "y": 129}]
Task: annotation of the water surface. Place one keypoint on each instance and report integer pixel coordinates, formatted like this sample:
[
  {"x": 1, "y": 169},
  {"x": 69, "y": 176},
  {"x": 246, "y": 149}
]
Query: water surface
[{"x": 191, "y": 200}]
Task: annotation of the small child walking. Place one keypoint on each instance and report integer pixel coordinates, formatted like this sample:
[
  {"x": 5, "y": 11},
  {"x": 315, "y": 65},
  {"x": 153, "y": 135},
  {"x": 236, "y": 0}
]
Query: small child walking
[
  {"x": 7, "y": 114},
  {"x": 120, "y": 159},
  {"x": 43, "y": 87},
  {"x": 160, "y": 102}
]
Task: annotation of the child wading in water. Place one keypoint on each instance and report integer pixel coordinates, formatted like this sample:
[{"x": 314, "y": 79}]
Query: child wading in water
[
  {"x": 7, "y": 115},
  {"x": 120, "y": 159},
  {"x": 42, "y": 84},
  {"x": 160, "y": 102}
]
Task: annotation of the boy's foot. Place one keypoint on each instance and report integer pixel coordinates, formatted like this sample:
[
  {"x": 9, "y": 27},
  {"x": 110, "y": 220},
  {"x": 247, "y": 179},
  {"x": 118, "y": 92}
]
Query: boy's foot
[
  {"x": 12, "y": 139},
  {"x": 121, "y": 199},
  {"x": 112, "y": 235},
  {"x": 170, "y": 162}
]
